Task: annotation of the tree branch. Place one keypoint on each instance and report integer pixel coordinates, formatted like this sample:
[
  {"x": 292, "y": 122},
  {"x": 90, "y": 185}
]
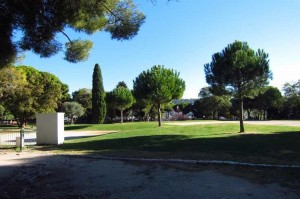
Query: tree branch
[
  {"x": 65, "y": 35},
  {"x": 26, "y": 8},
  {"x": 111, "y": 12}
]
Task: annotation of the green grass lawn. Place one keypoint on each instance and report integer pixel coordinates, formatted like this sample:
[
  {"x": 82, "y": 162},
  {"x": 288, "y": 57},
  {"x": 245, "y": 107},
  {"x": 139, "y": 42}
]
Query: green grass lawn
[{"x": 260, "y": 144}]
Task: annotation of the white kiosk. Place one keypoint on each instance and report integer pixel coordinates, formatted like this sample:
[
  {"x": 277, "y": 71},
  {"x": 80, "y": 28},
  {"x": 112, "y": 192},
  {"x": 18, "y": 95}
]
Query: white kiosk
[{"x": 50, "y": 128}]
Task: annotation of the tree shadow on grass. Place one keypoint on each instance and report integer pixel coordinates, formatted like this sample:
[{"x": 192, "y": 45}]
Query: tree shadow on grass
[{"x": 279, "y": 147}]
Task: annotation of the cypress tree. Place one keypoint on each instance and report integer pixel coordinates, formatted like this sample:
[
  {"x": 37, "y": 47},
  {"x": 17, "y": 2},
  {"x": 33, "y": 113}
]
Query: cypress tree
[{"x": 98, "y": 97}]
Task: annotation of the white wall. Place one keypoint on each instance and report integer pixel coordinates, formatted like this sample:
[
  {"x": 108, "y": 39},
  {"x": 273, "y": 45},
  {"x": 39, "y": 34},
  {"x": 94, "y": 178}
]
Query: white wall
[{"x": 50, "y": 128}]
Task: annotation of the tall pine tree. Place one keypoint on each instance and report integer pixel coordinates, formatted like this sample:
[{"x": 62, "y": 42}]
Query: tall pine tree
[{"x": 98, "y": 97}]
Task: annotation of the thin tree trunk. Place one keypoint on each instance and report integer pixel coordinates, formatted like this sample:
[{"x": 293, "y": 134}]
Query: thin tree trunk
[
  {"x": 261, "y": 115},
  {"x": 241, "y": 115},
  {"x": 18, "y": 122},
  {"x": 159, "y": 115},
  {"x": 121, "y": 116},
  {"x": 248, "y": 112},
  {"x": 72, "y": 119},
  {"x": 23, "y": 121}
]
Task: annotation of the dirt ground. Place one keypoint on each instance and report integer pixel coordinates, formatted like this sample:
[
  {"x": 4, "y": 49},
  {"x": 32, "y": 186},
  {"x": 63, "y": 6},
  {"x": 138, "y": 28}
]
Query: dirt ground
[
  {"x": 44, "y": 175},
  {"x": 37, "y": 174}
]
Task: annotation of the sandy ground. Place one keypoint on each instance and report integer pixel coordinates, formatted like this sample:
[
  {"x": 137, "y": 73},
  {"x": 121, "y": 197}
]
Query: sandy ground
[
  {"x": 76, "y": 134},
  {"x": 36, "y": 174}
]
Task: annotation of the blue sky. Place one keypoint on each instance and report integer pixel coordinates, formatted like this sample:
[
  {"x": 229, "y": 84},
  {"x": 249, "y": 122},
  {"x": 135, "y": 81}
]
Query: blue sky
[{"x": 183, "y": 35}]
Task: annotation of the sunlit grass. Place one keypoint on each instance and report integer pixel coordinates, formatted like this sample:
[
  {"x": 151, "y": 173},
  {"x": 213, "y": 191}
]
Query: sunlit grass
[{"x": 260, "y": 143}]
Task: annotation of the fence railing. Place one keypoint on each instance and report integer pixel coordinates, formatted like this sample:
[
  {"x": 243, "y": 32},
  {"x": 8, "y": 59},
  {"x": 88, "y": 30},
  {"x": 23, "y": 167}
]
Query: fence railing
[{"x": 8, "y": 137}]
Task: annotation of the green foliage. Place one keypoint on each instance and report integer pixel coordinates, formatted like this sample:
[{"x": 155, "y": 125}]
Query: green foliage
[
  {"x": 168, "y": 107},
  {"x": 111, "y": 111},
  {"x": 292, "y": 99},
  {"x": 143, "y": 110},
  {"x": 121, "y": 98},
  {"x": 65, "y": 96},
  {"x": 123, "y": 84},
  {"x": 65, "y": 93},
  {"x": 5, "y": 114},
  {"x": 73, "y": 110},
  {"x": 238, "y": 71},
  {"x": 126, "y": 20},
  {"x": 98, "y": 97},
  {"x": 159, "y": 86},
  {"x": 268, "y": 104},
  {"x": 84, "y": 97},
  {"x": 78, "y": 50},
  {"x": 11, "y": 81},
  {"x": 270, "y": 98},
  {"x": 40, "y": 21},
  {"x": 38, "y": 92},
  {"x": 51, "y": 91},
  {"x": 213, "y": 107},
  {"x": 292, "y": 89},
  {"x": 2, "y": 111}
]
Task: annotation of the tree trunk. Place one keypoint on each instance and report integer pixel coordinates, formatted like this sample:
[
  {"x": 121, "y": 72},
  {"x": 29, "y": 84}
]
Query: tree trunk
[
  {"x": 241, "y": 115},
  {"x": 72, "y": 119},
  {"x": 159, "y": 115},
  {"x": 21, "y": 122},
  {"x": 248, "y": 112},
  {"x": 121, "y": 116},
  {"x": 18, "y": 122}
]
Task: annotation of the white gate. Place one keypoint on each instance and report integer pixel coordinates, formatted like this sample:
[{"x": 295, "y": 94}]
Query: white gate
[{"x": 8, "y": 137}]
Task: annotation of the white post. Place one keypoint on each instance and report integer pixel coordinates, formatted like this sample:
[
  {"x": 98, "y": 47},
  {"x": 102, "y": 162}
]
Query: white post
[
  {"x": 20, "y": 142},
  {"x": 50, "y": 128}
]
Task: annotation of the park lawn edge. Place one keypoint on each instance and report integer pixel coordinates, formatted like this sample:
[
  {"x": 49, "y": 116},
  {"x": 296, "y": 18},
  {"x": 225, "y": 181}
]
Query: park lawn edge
[{"x": 280, "y": 155}]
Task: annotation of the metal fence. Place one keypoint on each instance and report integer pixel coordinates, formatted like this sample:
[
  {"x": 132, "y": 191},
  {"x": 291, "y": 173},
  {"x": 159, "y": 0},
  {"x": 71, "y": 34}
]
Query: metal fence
[{"x": 8, "y": 137}]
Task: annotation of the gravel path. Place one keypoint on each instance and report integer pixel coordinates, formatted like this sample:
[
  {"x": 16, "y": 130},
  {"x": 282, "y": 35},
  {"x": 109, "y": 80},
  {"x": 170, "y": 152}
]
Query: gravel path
[{"x": 33, "y": 174}]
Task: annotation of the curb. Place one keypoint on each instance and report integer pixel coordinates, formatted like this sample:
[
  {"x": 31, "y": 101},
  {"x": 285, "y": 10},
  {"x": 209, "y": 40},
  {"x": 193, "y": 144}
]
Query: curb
[{"x": 211, "y": 162}]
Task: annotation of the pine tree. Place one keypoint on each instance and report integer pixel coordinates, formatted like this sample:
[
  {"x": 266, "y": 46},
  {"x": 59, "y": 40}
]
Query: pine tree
[
  {"x": 38, "y": 23},
  {"x": 98, "y": 97},
  {"x": 239, "y": 71},
  {"x": 158, "y": 86}
]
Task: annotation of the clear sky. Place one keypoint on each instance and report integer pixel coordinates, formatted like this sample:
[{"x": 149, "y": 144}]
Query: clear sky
[{"x": 183, "y": 35}]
